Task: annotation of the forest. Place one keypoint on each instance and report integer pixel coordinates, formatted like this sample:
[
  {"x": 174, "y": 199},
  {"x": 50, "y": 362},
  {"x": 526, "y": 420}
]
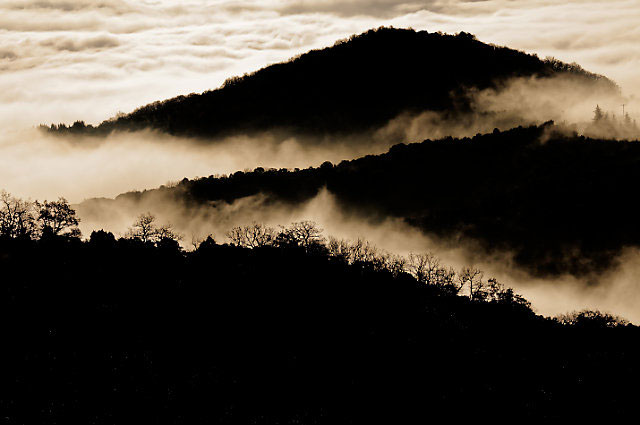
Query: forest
[
  {"x": 356, "y": 85},
  {"x": 285, "y": 326},
  {"x": 562, "y": 203}
]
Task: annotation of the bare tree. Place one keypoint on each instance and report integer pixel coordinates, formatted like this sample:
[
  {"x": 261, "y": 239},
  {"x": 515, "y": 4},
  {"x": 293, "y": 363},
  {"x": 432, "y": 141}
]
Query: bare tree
[
  {"x": 57, "y": 217},
  {"x": 471, "y": 277},
  {"x": 145, "y": 229},
  {"x": 196, "y": 240},
  {"x": 358, "y": 251},
  {"x": 252, "y": 236},
  {"x": 166, "y": 232},
  {"x": 362, "y": 251},
  {"x": 17, "y": 217},
  {"x": 236, "y": 236},
  {"x": 424, "y": 267},
  {"x": 302, "y": 233},
  {"x": 396, "y": 264},
  {"x": 338, "y": 248},
  {"x": 259, "y": 235}
]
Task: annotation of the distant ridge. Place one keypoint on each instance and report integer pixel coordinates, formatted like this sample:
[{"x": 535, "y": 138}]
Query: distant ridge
[
  {"x": 559, "y": 206},
  {"x": 354, "y": 85}
]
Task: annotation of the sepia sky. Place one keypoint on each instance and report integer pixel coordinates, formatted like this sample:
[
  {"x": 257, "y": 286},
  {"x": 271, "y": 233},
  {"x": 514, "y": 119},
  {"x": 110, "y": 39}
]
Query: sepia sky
[{"x": 62, "y": 60}]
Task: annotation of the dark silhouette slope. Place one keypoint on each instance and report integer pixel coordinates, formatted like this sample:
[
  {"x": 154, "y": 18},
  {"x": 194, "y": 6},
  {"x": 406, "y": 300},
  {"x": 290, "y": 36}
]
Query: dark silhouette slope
[
  {"x": 352, "y": 86},
  {"x": 124, "y": 332},
  {"x": 562, "y": 204}
]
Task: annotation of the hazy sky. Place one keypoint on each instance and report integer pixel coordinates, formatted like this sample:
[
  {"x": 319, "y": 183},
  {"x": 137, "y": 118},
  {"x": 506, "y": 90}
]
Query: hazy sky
[{"x": 62, "y": 60}]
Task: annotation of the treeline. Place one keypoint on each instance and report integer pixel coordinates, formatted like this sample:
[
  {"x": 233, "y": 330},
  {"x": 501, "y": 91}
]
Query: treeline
[
  {"x": 425, "y": 268},
  {"x": 121, "y": 330},
  {"x": 31, "y": 221},
  {"x": 23, "y": 219},
  {"x": 607, "y": 126},
  {"x": 560, "y": 203},
  {"x": 356, "y": 85}
]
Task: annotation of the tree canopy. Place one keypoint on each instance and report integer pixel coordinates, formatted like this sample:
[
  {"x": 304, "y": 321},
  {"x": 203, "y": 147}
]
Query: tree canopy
[{"x": 355, "y": 85}]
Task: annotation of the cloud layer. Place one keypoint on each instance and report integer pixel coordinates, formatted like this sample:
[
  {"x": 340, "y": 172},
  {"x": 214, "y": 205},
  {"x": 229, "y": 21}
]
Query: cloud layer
[
  {"x": 616, "y": 291},
  {"x": 63, "y": 60}
]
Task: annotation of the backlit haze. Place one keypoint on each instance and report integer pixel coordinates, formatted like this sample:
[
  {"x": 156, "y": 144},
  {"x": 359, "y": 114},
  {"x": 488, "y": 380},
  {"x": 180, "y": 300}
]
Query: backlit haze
[
  {"x": 62, "y": 61},
  {"x": 67, "y": 60}
]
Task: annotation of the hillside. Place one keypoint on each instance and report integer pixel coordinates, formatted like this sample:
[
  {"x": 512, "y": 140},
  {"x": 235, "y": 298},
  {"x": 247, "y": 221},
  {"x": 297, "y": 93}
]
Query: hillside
[
  {"x": 282, "y": 335},
  {"x": 355, "y": 85},
  {"x": 560, "y": 204}
]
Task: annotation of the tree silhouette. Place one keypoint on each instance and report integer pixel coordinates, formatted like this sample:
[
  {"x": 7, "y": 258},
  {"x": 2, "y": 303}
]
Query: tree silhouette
[
  {"x": 425, "y": 267},
  {"x": 57, "y": 217},
  {"x": 598, "y": 115},
  {"x": 303, "y": 233},
  {"x": 472, "y": 278},
  {"x": 592, "y": 319},
  {"x": 17, "y": 217},
  {"x": 252, "y": 236},
  {"x": 412, "y": 71},
  {"x": 145, "y": 230}
]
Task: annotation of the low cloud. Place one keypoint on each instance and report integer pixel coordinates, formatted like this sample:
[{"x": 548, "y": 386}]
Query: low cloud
[
  {"x": 374, "y": 8},
  {"x": 7, "y": 54},
  {"x": 69, "y": 44},
  {"x": 34, "y": 165},
  {"x": 617, "y": 290}
]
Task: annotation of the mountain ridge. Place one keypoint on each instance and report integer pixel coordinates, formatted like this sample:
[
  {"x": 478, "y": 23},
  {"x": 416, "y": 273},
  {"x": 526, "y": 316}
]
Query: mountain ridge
[
  {"x": 512, "y": 191},
  {"x": 355, "y": 85}
]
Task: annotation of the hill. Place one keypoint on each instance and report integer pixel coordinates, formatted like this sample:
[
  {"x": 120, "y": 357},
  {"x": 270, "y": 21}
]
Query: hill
[
  {"x": 357, "y": 84},
  {"x": 123, "y": 331},
  {"x": 560, "y": 203}
]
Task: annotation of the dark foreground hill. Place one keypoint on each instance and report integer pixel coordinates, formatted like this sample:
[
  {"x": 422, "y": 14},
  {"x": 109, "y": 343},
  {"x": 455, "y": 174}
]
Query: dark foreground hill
[
  {"x": 350, "y": 87},
  {"x": 561, "y": 204},
  {"x": 124, "y": 332}
]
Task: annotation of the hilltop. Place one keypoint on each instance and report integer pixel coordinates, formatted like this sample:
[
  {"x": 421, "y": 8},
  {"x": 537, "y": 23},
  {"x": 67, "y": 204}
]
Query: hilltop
[{"x": 355, "y": 85}]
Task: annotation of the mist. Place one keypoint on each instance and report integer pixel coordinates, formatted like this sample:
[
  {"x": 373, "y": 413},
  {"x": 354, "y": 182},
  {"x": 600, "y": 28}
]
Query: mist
[
  {"x": 616, "y": 290},
  {"x": 566, "y": 100},
  {"x": 35, "y": 165},
  {"x": 88, "y": 60}
]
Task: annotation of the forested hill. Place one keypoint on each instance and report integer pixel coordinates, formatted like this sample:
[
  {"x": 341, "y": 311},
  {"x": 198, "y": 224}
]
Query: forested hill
[
  {"x": 124, "y": 331},
  {"x": 354, "y": 85},
  {"x": 561, "y": 204}
]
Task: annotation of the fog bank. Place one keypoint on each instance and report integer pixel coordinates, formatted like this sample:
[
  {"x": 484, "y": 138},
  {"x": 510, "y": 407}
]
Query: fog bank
[
  {"x": 36, "y": 165},
  {"x": 616, "y": 291}
]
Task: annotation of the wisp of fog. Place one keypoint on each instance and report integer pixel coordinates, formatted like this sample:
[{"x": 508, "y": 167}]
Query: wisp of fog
[{"x": 616, "y": 290}]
